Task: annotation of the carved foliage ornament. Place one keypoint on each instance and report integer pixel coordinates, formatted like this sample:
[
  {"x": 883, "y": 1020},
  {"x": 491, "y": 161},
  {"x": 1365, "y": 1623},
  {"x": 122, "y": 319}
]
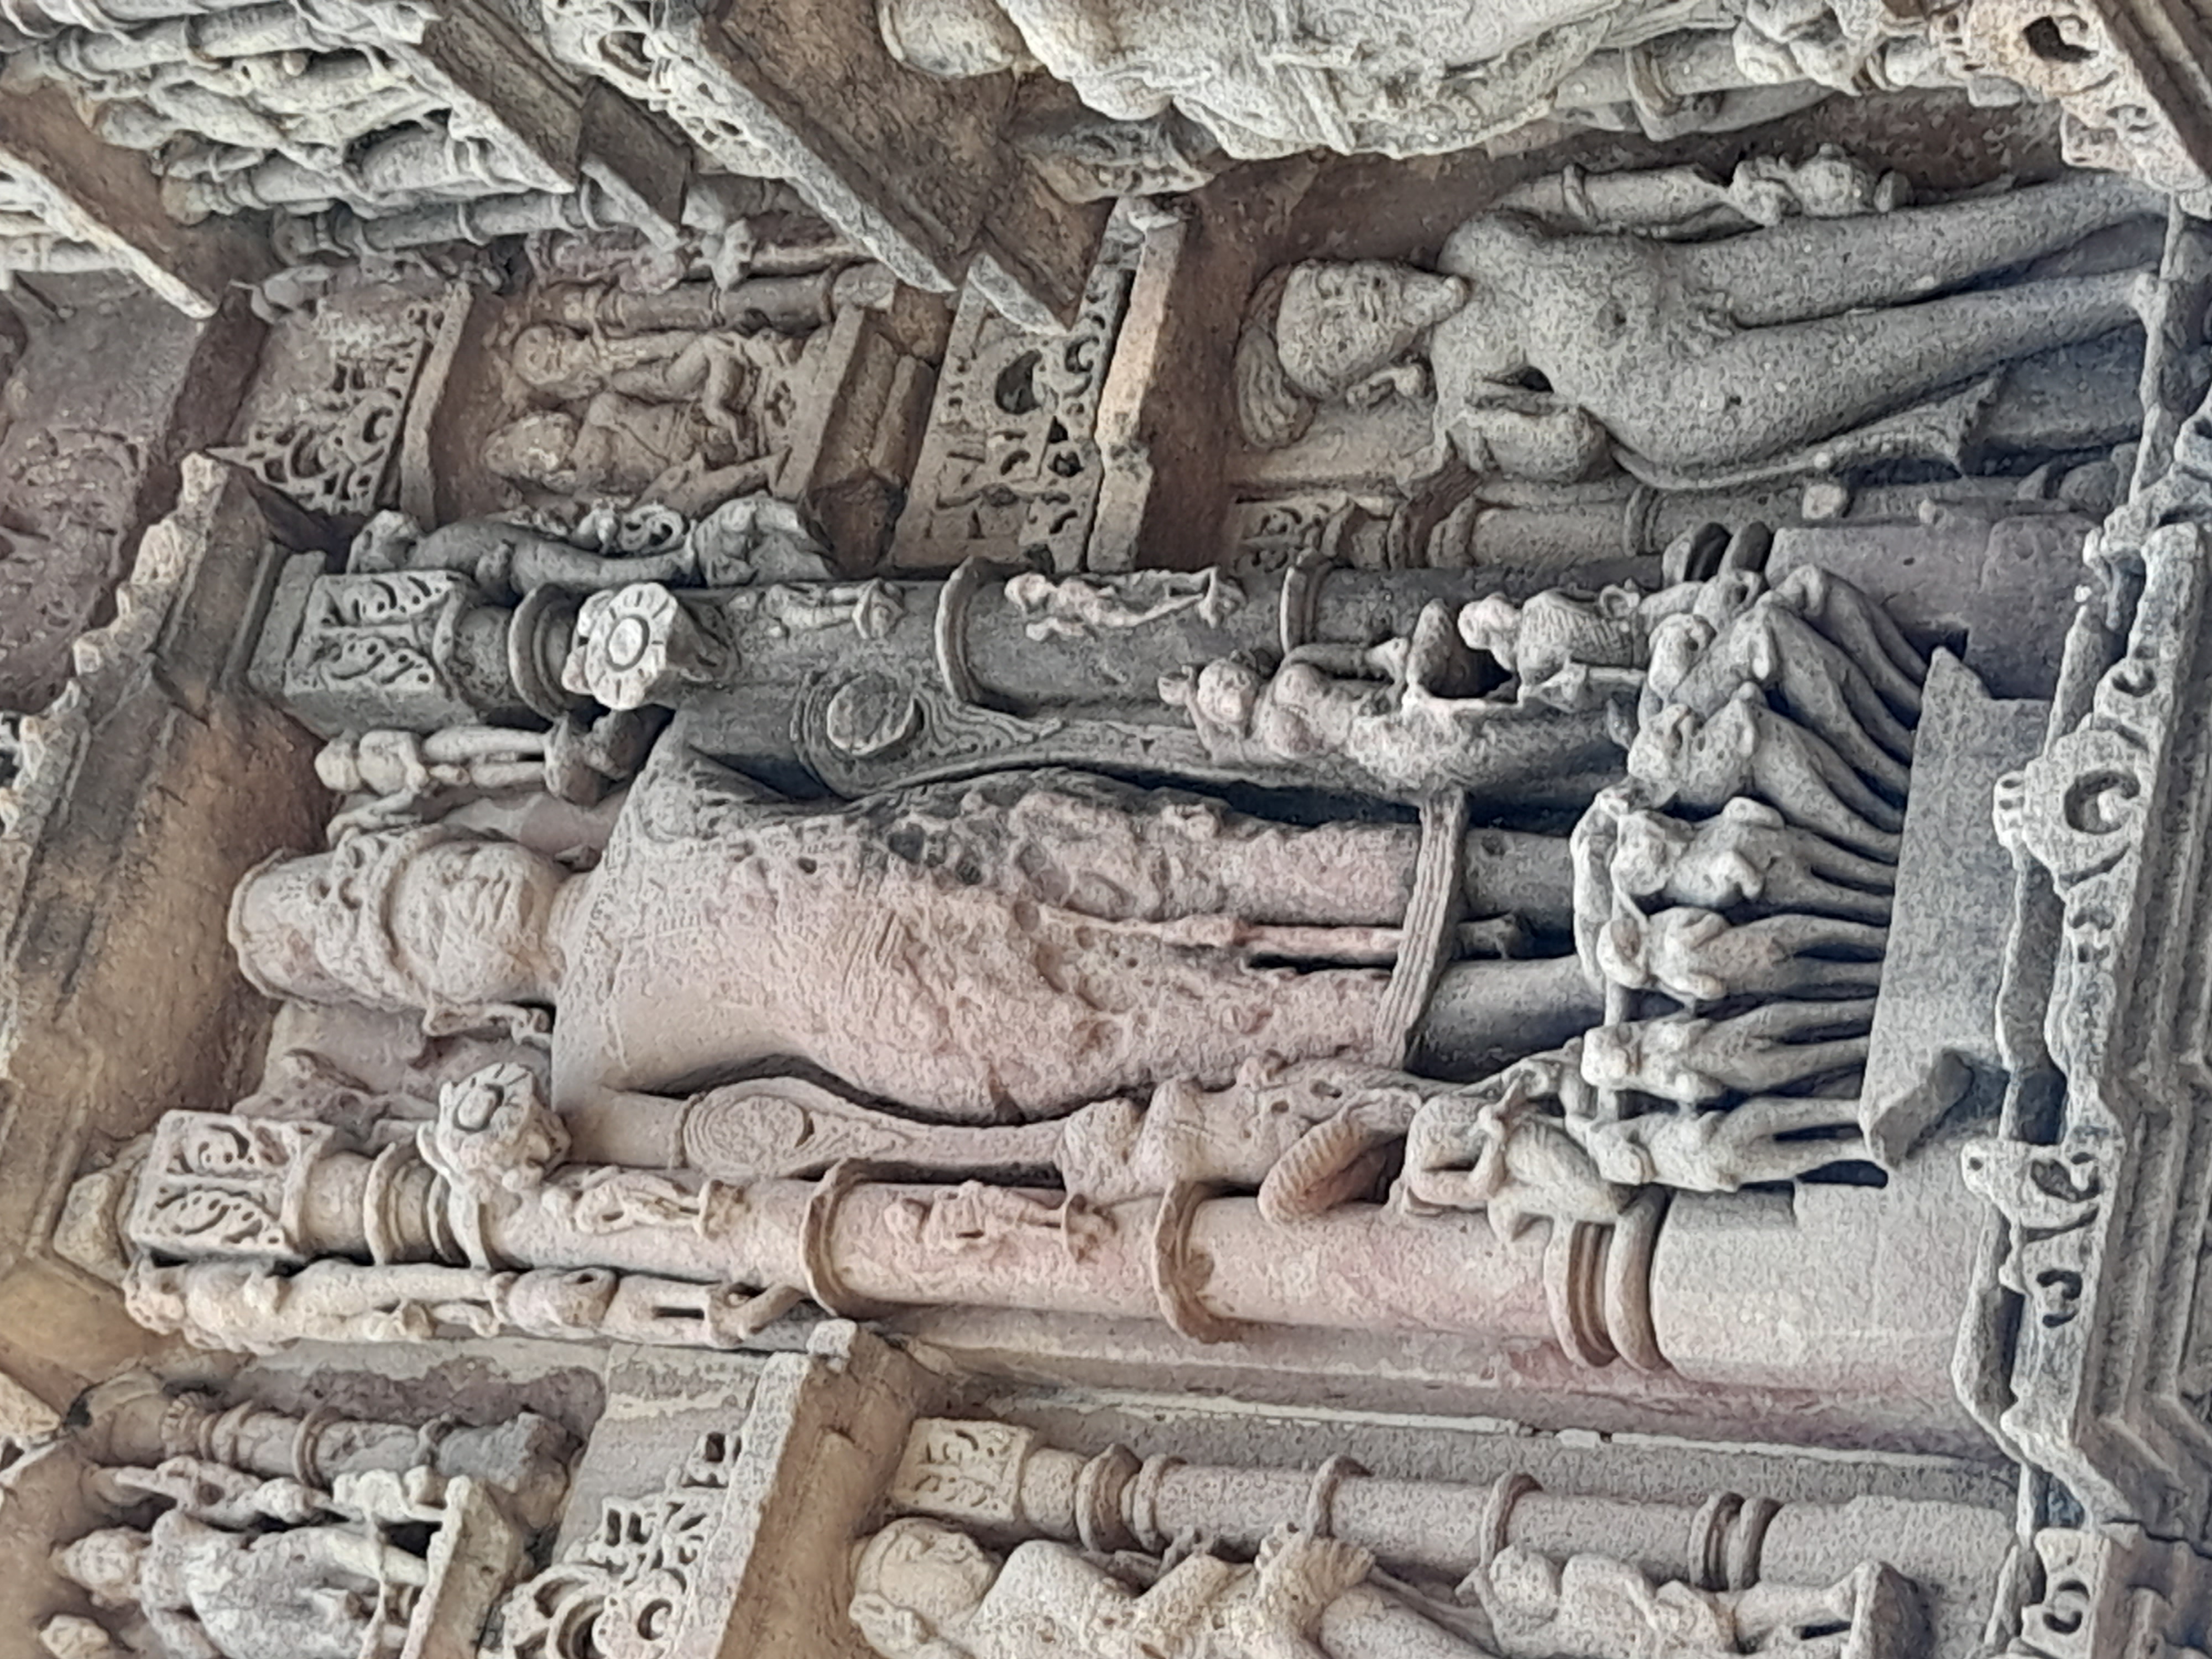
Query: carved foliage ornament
[
  {"x": 625, "y": 1590},
  {"x": 332, "y": 449},
  {"x": 222, "y": 1186}
]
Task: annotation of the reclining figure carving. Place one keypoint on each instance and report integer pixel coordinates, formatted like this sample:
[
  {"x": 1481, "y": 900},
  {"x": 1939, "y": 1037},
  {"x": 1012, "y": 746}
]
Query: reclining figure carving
[
  {"x": 1687, "y": 362},
  {"x": 1038, "y": 941}
]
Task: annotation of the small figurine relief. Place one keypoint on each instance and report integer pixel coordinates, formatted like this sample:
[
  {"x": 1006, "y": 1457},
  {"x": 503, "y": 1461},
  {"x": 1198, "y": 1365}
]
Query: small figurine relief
[
  {"x": 1591, "y": 1606},
  {"x": 239, "y": 1566},
  {"x": 683, "y": 419},
  {"x": 1401, "y": 719},
  {"x": 1540, "y": 1141},
  {"x": 1085, "y": 607},
  {"x": 927, "y": 1591},
  {"x": 396, "y": 779},
  {"x": 1746, "y": 858},
  {"x": 1795, "y": 347}
]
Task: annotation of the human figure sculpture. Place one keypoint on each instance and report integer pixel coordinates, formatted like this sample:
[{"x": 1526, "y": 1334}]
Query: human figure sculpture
[
  {"x": 1579, "y": 651},
  {"x": 1592, "y": 1606},
  {"x": 715, "y": 372},
  {"x": 1081, "y": 607},
  {"x": 1747, "y": 748},
  {"x": 305, "y": 1592},
  {"x": 1504, "y": 1146},
  {"x": 1420, "y": 730},
  {"x": 244, "y": 1307},
  {"x": 1696, "y": 1061},
  {"x": 1767, "y": 1137},
  {"x": 1868, "y": 634},
  {"x": 1015, "y": 945},
  {"x": 685, "y": 419},
  {"x": 1689, "y": 362},
  {"x": 506, "y": 560},
  {"x": 398, "y": 777},
  {"x": 201, "y": 116},
  {"x": 927, "y": 1591},
  {"x": 678, "y": 454},
  {"x": 1700, "y": 956}
]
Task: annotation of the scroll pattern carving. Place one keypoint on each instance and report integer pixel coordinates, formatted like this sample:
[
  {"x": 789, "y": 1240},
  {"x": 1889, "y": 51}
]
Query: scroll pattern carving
[
  {"x": 1011, "y": 466},
  {"x": 2102, "y": 1382},
  {"x": 388, "y": 636},
  {"x": 216, "y": 1185},
  {"x": 629, "y": 1587},
  {"x": 332, "y": 446}
]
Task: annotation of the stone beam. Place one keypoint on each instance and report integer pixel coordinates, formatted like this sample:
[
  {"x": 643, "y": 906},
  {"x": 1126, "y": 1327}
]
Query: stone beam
[
  {"x": 914, "y": 169},
  {"x": 112, "y": 202}
]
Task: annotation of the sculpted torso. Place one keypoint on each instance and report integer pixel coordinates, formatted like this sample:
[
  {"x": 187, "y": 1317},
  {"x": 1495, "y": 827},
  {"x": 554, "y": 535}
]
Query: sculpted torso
[
  {"x": 1602, "y": 317},
  {"x": 970, "y": 952}
]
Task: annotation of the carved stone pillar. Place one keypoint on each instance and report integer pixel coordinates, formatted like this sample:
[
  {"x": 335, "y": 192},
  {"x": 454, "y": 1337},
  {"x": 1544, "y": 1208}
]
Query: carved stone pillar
[{"x": 1005, "y": 1482}]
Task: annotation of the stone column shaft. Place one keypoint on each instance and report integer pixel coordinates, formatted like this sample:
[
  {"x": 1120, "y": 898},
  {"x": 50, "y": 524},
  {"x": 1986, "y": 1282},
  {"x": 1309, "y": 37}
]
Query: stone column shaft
[{"x": 1001, "y": 1480}]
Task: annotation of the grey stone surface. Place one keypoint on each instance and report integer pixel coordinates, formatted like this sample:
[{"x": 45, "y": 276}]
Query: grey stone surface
[{"x": 1934, "y": 1038}]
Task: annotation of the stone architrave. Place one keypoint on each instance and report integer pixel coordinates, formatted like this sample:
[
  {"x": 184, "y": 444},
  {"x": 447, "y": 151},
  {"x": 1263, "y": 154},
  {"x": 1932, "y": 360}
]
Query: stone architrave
[
  {"x": 1004, "y": 1481},
  {"x": 105, "y": 204},
  {"x": 918, "y": 172},
  {"x": 456, "y": 103}
]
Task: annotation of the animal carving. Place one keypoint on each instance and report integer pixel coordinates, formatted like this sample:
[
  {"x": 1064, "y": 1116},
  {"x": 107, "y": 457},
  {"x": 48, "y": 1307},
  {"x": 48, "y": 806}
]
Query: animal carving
[
  {"x": 1745, "y": 857},
  {"x": 1696, "y": 1061},
  {"x": 1747, "y": 748},
  {"x": 1700, "y": 956}
]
